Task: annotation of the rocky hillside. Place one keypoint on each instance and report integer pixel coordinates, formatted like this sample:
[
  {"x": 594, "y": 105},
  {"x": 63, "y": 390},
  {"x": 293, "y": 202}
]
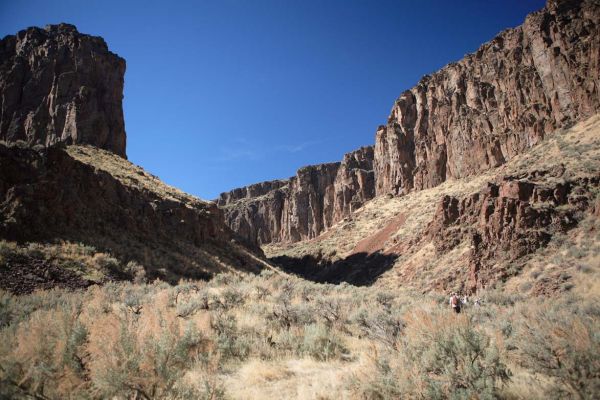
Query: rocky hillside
[
  {"x": 83, "y": 194},
  {"x": 61, "y": 89},
  {"x": 59, "y": 85},
  {"x": 471, "y": 116},
  {"x": 532, "y": 222}
]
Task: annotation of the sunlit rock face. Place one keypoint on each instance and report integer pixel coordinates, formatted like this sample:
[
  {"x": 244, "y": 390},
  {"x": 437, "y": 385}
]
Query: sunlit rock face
[
  {"x": 470, "y": 116},
  {"x": 495, "y": 103},
  {"x": 58, "y": 85},
  {"x": 303, "y": 206}
]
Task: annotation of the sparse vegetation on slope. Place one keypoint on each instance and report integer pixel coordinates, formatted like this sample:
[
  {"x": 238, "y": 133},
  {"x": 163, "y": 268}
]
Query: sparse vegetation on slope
[
  {"x": 562, "y": 174},
  {"x": 81, "y": 194}
]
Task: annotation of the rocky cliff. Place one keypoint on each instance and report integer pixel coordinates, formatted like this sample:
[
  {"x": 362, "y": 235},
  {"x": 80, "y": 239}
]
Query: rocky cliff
[
  {"x": 58, "y": 85},
  {"x": 495, "y": 103},
  {"x": 303, "y": 206},
  {"x": 470, "y": 116},
  {"x": 61, "y": 89}
]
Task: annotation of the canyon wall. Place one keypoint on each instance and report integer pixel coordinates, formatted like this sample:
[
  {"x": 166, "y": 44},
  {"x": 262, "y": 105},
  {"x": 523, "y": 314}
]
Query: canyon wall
[
  {"x": 60, "y": 89},
  {"x": 303, "y": 206},
  {"x": 470, "y": 116},
  {"x": 495, "y": 103},
  {"x": 58, "y": 85}
]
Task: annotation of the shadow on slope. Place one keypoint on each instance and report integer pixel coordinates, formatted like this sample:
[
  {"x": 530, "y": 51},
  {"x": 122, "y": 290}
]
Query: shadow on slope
[{"x": 358, "y": 269}]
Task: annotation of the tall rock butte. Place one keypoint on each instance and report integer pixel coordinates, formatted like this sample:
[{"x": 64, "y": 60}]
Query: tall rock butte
[
  {"x": 58, "y": 85},
  {"x": 61, "y": 90},
  {"x": 470, "y": 116}
]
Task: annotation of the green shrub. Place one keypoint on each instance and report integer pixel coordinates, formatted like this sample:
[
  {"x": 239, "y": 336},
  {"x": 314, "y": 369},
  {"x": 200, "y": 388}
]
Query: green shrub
[{"x": 322, "y": 343}]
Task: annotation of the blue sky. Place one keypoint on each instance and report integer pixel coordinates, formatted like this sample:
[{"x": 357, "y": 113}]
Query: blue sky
[{"x": 221, "y": 94}]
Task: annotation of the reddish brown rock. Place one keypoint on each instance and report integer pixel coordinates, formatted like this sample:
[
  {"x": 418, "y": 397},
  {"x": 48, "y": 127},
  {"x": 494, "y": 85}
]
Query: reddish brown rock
[
  {"x": 303, "y": 206},
  {"x": 471, "y": 115},
  {"x": 495, "y": 103},
  {"x": 58, "y": 85},
  {"x": 509, "y": 220}
]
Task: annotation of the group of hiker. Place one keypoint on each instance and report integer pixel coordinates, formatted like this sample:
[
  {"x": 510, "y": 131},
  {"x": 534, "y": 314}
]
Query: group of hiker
[{"x": 457, "y": 302}]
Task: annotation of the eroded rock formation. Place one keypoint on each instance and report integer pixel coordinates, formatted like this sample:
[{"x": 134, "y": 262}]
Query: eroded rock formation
[
  {"x": 510, "y": 219},
  {"x": 495, "y": 103},
  {"x": 470, "y": 116},
  {"x": 58, "y": 85},
  {"x": 303, "y": 206},
  {"x": 59, "y": 88}
]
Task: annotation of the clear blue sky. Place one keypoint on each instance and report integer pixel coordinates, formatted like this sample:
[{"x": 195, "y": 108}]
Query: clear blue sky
[{"x": 221, "y": 94}]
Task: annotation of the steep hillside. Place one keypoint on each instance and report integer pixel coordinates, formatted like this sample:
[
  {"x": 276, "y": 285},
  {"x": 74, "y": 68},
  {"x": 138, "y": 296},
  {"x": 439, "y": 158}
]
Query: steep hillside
[
  {"x": 537, "y": 212},
  {"x": 470, "y": 116},
  {"x": 70, "y": 214},
  {"x": 88, "y": 195}
]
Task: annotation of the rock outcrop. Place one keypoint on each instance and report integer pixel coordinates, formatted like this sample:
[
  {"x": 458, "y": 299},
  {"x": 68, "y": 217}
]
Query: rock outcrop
[
  {"x": 58, "y": 85},
  {"x": 303, "y": 206},
  {"x": 509, "y": 220},
  {"x": 495, "y": 103},
  {"x": 59, "y": 88},
  {"x": 91, "y": 196},
  {"x": 470, "y": 116}
]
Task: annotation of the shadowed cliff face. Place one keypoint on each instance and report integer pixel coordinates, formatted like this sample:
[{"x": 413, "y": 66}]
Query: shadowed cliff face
[
  {"x": 468, "y": 117},
  {"x": 58, "y": 85},
  {"x": 495, "y": 103},
  {"x": 85, "y": 195},
  {"x": 303, "y": 206}
]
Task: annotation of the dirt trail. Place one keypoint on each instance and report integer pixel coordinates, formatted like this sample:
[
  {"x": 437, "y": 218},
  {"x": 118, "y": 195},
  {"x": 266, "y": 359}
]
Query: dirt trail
[{"x": 376, "y": 241}]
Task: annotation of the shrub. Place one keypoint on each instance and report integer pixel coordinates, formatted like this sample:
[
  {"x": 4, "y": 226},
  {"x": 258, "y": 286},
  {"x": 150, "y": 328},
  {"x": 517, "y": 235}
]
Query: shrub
[
  {"x": 563, "y": 343},
  {"x": 232, "y": 298},
  {"x": 384, "y": 327},
  {"x": 136, "y": 271},
  {"x": 230, "y": 343},
  {"x": 446, "y": 356},
  {"x": 44, "y": 355},
  {"x": 148, "y": 355},
  {"x": 322, "y": 343},
  {"x": 106, "y": 263},
  {"x": 463, "y": 365}
]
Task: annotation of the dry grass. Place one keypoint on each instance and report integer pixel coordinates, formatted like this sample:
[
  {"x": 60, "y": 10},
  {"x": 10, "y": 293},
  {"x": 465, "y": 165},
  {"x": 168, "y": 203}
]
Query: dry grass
[
  {"x": 130, "y": 174},
  {"x": 273, "y": 336}
]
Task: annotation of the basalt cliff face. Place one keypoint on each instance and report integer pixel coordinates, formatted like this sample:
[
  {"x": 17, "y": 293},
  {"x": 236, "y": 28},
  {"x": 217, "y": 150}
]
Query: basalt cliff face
[
  {"x": 58, "y": 85},
  {"x": 483, "y": 110},
  {"x": 470, "y": 116},
  {"x": 86, "y": 195},
  {"x": 303, "y": 206}
]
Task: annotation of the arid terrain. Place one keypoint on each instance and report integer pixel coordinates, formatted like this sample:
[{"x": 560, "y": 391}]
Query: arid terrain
[{"x": 332, "y": 284}]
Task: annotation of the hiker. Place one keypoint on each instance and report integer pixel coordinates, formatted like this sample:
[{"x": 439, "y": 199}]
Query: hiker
[{"x": 455, "y": 303}]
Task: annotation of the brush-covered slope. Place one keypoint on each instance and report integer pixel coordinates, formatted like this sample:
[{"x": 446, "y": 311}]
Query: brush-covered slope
[
  {"x": 86, "y": 195},
  {"x": 540, "y": 211}
]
